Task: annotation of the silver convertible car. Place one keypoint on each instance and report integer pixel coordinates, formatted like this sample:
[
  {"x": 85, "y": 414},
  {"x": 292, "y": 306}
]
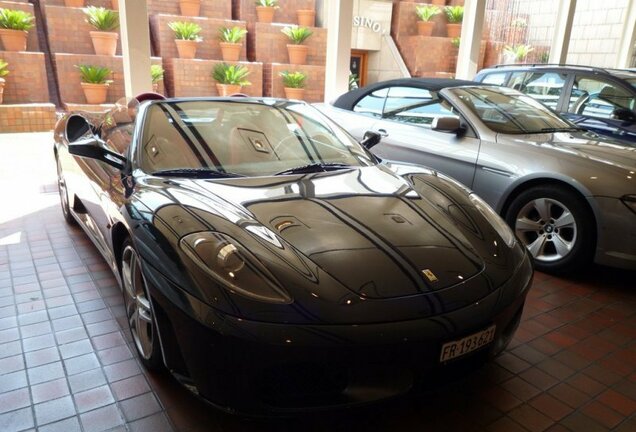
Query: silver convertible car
[{"x": 569, "y": 194}]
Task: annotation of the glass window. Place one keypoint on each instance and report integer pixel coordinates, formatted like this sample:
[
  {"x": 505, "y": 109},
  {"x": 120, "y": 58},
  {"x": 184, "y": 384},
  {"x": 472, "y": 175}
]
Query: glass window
[
  {"x": 598, "y": 98},
  {"x": 543, "y": 86},
  {"x": 415, "y": 106},
  {"x": 495, "y": 78},
  {"x": 372, "y": 104}
]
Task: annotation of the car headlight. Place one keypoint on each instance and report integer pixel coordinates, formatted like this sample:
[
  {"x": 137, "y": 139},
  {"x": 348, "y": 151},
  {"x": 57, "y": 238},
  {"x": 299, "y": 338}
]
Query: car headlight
[
  {"x": 495, "y": 220},
  {"x": 233, "y": 266},
  {"x": 630, "y": 202}
]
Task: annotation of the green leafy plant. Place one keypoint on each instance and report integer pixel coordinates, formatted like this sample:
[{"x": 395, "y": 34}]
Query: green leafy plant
[
  {"x": 544, "y": 57},
  {"x": 3, "y": 68},
  {"x": 294, "y": 79},
  {"x": 455, "y": 42},
  {"x": 353, "y": 81},
  {"x": 267, "y": 3},
  {"x": 94, "y": 74},
  {"x": 102, "y": 19},
  {"x": 232, "y": 35},
  {"x": 297, "y": 35},
  {"x": 454, "y": 14},
  {"x": 231, "y": 74},
  {"x": 156, "y": 73},
  {"x": 518, "y": 52},
  {"x": 185, "y": 30},
  {"x": 427, "y": 12},
  {"x": 12, "y": 19},
  {"x": 519, "y": 23}
]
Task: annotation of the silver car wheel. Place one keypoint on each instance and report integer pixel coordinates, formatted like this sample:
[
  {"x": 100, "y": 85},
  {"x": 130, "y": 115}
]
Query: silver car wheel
[
  {"x": 138, "y": 308},
  {"x": 547, "y": 228}
]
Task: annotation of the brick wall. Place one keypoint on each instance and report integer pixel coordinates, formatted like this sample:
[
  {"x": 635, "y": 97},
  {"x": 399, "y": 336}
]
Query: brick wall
[
  {"x": 32, "y": 38},
  {"x": 268, "y": 44},
  {"x": 69, "y": 76},
  {"x": 186, "y": 77},
  {"x": 27, "y": 118},
  {"x": 315, "y": 84},
  {"x": 26, "y": 82},
  {"x": 221, "y": 9},
  {"x": 208, "y": 49},
  {"x": 245, "y": 10}
]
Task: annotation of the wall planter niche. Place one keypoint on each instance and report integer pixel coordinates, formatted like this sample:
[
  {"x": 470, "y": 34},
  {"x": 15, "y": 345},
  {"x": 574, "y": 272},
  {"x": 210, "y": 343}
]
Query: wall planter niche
[
  {"x": 104, "y": 21},
  {"x": 95, "y": 83},
  {"x": 3, "y": 73},
  {"x": 190, "y": 7},
  {"x": 265, "y": 10},
  {"x": 14, "y": 29},
  {"x": 186, "y": 37},
  {"x": 454, "y": 16},
  {"x": 294, "y": 84},
  {"x": 426, "y": 13},
  {"x": 230, "y": 78},
  {"x": 74, "y": 3},
  {"x": 231, "y": 42},
  {"x": 297, "y": 35}
]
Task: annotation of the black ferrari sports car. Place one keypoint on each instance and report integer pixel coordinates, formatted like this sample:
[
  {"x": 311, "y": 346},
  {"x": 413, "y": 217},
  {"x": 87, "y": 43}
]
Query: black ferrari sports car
[{"x": 272, "y": 264}]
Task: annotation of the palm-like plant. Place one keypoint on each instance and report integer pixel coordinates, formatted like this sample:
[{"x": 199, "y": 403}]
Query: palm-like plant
[
  {"x": 294, "y": 79},
  {"x": 225, "y": 73},
  {"x": 232, "y": 35},
  {"x": 454, "y": 14},
  {"x": 102, "y": 19},
  {"x": 267, "y": 3},
  {"x": 518, "y": 52},
  {"x": 185, "y": 30},
  {"x": 427, "y": 12},
  {"x": 4, "y": 71},
  {"x": 156, "y": 73},
  {"x": 94, "y": 74},
  {"x": 12, "y": 19},
  {"x": 297, "y": 35},
  {"x": 455, "y": 42}
]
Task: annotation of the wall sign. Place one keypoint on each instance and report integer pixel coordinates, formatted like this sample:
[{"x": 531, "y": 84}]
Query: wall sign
[{"x": 360, "y": 21}]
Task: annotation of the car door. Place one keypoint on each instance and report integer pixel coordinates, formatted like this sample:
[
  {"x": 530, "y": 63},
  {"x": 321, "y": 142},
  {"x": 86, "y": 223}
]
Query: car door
[
  {"x": 548, "y": 87},
  {"x": 407, "y": 135},
  {"x": 603, "y": 106}
]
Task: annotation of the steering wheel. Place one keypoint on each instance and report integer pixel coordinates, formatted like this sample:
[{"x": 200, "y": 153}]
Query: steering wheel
[{"x": 579, "y": 105}]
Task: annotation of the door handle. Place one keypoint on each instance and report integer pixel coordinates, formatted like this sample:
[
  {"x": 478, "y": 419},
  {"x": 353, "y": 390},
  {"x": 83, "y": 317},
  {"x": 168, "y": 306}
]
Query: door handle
[{"x": 383, "y": 133}]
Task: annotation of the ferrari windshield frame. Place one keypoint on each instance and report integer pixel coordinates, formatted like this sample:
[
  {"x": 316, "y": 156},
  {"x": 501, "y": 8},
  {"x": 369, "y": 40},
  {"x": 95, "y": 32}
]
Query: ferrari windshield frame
[{"x": 245, "y": 137}]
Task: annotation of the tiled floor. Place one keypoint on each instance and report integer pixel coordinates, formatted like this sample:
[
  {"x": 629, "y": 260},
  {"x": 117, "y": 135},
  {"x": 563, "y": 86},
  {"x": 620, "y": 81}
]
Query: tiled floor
[{"x": 66, "y": 365}]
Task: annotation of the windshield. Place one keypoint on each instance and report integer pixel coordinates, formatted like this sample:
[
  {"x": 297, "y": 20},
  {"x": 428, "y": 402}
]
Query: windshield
[
  {"x": 511, "y": 112},
  {"x": 243, "y": 138}
]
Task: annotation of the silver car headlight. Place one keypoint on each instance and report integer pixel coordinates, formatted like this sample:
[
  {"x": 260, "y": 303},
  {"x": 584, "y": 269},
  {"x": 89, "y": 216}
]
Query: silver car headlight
[
  {"x": 495, "y": 220},
  {"x": 233, "y": 266},
  {"x": 630, "y": 202}
]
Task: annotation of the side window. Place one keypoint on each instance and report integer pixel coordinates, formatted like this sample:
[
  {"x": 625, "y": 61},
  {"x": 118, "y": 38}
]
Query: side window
[
  {"x": 545, "y": 87},
  {"x": 598, "y": 98},
  {"x": 415, "y": 106},
  {"x": 497, "y": 78},
  {"x": 372, "y": 104}
]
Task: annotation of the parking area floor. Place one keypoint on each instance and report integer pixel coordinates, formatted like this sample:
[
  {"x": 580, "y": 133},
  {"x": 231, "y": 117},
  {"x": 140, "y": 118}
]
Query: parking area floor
[{"x": 67, "y": 364}]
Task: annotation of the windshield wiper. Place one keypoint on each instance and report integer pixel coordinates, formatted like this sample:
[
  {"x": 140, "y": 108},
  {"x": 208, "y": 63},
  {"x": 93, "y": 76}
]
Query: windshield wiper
[
  {"x": 562, "y": 129},
  {"x": 196, "y": 172},
  {"x": 314, "y": 167}
]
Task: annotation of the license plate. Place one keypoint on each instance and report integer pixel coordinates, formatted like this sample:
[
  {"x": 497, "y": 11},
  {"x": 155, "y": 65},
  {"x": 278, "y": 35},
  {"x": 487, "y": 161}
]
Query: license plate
[{"x": 458, "y": 348}]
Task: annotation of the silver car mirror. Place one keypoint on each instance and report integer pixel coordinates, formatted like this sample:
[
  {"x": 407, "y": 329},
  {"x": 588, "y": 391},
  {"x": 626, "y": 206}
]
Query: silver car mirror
[{"x": 447, "y": 125}]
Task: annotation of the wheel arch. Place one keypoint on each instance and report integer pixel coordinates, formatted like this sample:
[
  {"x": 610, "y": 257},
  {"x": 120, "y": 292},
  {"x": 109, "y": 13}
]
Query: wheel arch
[{"x": 119, "y": 235}]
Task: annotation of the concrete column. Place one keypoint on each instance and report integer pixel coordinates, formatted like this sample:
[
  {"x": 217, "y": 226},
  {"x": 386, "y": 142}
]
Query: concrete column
[
  {"x": 628, "y": 38},
  {"x": 339, "y": 20},
  {"x": 562, "y": 31},
  {"x": 135, "y": 44},
  {"x": 470, "y": 45}
]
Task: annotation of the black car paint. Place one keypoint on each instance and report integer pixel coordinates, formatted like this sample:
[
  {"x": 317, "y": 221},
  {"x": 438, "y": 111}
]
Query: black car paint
[{"x": 221, "y": 343}]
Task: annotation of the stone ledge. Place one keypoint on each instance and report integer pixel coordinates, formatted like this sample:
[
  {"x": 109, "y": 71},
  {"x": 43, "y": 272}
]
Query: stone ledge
[
  {"x": 75, "y": 107},
  {"x": 40, "y": 117}
]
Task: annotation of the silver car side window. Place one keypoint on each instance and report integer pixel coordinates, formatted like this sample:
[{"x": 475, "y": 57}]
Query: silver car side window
[
  {"x": 372, "y": 104},
  {"x": 598, "y": 98}
]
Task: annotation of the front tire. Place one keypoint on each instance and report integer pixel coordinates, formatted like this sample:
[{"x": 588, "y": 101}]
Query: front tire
[
  {"x": 64, "y": 202},
  {"x": 555, "y": 225},
  {"x": 141, "y": 318}
]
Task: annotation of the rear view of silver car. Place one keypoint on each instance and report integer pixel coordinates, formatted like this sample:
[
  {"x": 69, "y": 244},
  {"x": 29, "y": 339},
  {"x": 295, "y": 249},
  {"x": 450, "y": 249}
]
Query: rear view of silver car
[{"x": 569, "y": 194}]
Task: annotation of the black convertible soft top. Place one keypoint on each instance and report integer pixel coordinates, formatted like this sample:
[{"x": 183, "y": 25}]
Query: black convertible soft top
[{"x": 349, "y": 99}]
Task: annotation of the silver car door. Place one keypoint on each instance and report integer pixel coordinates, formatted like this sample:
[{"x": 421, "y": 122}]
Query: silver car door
[{"x": 406, "y": 127}]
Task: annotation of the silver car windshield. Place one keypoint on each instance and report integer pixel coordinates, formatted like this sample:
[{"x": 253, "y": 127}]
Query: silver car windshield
[
  {"x": 243, "y": 138},
  {"x": 511, "y": 113}
]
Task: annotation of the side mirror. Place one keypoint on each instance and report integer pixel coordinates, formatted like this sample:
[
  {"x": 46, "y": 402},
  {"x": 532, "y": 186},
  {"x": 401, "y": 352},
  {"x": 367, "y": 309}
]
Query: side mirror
[
  {"x": 83, "y": 142},
  {"x": 446, "y": 125},
  {"x": 623, "y": 114},
  {"x": 370, "y": 139}
]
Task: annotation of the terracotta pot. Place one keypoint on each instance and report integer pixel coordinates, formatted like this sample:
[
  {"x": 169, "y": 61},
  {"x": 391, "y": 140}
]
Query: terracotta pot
[
  {"x": 425, "y": 28},
  {"x": 155, "y": 87},
  {"x": 306, "y": 17},
  {"x": 294, "y": 93},
  {"x": 227, "y": 89},
  {"x": 265, "y": 14},
  {"x": 105, "y": 43},
  {"x": 453, "y": 30},
  {"x": 95, "y": 93},
  {"x": 439, "y": 2},
  {"x": 115, "y": 4},
  {"x": 190, "y": 7},
  {"x": 231, "y": 51},
  {"x": 297, "y": 53},
  {"x": 14, "y": 40},
  {"x": 187, "y": 48},
  {"x": 1, "y": 89},
  {"x": 74, "y": 3}
]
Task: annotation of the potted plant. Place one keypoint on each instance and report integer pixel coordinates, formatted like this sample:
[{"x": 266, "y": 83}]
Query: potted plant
[
  {"x": 454, "y": 16},
  {"x": 74, "y": 3},
  {"x": 294, "y": 83},
  {"x": 306, "y": 17},
  {"x": 3, "y": 73},
  {"x": 190, "y": 7},
  {"x": 426, "y": 13},
  {"x": 95, "y": 83},
  {"x": 14, "y": 29},
  {"x": 115, "y": 4},
  {"x": 186, "y": 37},
  {"x": 230, "y": 78},
  {"x": 439, "y": 2},
  {"x": 105, "y": 22},
  {"x": 265, "y": 10},
  {"x": 231, "y": 42},
  {"x": 156, "y": 74},
  {"x": 516, "y": 53},
  {"x": 297, "y": 35}
]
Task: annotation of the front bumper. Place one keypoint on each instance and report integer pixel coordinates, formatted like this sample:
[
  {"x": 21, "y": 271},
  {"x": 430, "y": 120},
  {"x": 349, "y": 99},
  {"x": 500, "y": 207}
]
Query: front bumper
[
  {"x": 266, "y": 368},
  {"x": 616, "y": 223}
]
